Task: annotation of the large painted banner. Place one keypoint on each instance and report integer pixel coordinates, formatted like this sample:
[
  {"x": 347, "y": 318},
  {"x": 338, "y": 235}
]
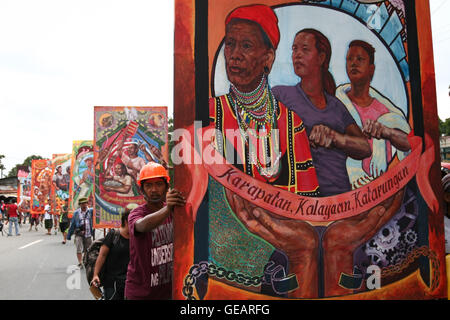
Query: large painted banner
[
  {"x": 24, "y": 188},
  {"x": 307, "y": 140},
  {"x": 60, "y": 181},
  {"x": 81, "y": 174},
  {"x": 41, "y": 183},
  {"x": 125, "y": 139}
]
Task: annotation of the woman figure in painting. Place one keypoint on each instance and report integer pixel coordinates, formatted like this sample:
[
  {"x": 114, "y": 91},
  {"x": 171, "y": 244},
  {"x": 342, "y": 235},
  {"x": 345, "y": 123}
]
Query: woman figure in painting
[
  {"x": 282, "y": 160},
  {"x": 383, "y": 123},
  {"x": 332, "y": 131},
  {"x": 121, "y": 182}
]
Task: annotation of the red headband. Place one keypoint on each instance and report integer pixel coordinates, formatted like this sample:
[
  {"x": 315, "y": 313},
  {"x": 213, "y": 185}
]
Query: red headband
[{"x": 262, "y": 15}]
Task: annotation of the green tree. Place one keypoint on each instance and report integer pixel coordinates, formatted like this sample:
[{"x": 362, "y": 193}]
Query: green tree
[
  {"x": 26, "y": 162},
  {"x": 444, "y": 127},
  {"x": 447, "y": 127}
]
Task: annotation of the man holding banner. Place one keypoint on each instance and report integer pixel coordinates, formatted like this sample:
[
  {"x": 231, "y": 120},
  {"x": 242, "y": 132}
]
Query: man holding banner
[{"x": 149, "y": 274}]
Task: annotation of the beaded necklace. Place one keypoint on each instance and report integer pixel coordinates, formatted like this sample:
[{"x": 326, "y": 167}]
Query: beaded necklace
[{"x": 256, "y": 112}]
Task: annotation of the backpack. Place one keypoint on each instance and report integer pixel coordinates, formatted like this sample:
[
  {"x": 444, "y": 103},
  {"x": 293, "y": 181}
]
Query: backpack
[{"x": 90, "y": 257}]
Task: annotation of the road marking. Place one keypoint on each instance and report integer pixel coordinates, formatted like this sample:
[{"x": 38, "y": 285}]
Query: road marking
[{"x": 30, "y": 244}]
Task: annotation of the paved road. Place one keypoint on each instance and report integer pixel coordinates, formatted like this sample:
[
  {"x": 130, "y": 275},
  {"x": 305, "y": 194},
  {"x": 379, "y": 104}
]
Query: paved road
[{"x": 37, "y": 266}]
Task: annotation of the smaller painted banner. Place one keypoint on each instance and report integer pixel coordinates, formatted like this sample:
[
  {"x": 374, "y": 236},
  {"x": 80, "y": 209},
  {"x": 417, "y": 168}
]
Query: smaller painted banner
[
  {"x": 60, "y": 181},
  {"x": 24, "y": 188},
  {"x": 125, "y": 139},
  {"x": 81, "y": 174},
  {"x": 41, "y": 173}
]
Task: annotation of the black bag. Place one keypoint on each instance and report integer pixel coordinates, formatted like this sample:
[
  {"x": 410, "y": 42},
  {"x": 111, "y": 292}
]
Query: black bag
[
  {"x": 90, "y": 257},
  {"x": 80, "y": 231}
]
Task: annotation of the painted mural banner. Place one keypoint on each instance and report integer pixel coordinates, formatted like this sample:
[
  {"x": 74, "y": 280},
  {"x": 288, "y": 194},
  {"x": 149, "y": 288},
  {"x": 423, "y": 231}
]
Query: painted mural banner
[
  {"x": 81, "y": 172},
  {"x": 41, "y": 183},
  {"x": 307, "y": 140},
  {"x": 24, "y": 188},
  {"x": 125, "y": 139},
  {"x": 61, "y": 164}
]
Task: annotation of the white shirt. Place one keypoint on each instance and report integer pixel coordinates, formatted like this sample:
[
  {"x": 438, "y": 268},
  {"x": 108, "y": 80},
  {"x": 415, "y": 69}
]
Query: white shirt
[{"x": 47, "y": 215}]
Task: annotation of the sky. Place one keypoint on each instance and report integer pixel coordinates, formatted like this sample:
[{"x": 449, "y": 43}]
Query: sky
[{"x": 60, "y": 58}]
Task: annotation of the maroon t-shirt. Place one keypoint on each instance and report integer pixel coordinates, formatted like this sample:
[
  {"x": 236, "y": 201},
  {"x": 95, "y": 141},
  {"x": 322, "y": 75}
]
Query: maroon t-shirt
[{"x": 149, "y": 275}]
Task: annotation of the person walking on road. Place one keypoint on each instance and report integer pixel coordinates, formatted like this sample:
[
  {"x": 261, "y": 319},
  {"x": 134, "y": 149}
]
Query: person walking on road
[
  {"x": 2, "y": 210},
  {"x": 55, "y": 222},
  {"x": 64, "y": 220},
  {"x": 81, "y": 226},
  {"x": 34, "y": 220},
  {"x": 48, "y": 219},
  {"x": 24, "y": 209},
  {"x": 114, "y": 257},
  {"x": 13, "y": 217},
  {"x": 151, "y": 230}
]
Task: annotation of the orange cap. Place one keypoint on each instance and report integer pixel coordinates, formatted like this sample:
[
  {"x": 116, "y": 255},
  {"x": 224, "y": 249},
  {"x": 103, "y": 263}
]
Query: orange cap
[{"x": 153, "y": 170}]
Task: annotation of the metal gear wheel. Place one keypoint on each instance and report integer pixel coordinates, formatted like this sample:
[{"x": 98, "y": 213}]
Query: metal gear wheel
[
  {"x": 410, "y": 237},
  {"x": 376, "y": 257},
  {"x": 397, "y": 258},
  {"x": 388, "y": 237}
]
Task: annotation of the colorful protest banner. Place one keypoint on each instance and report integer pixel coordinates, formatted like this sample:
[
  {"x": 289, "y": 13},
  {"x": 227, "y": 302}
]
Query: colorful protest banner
[
  {"x": 41, "y": 182},
  {"x": 125, "y": 138},
  {"x": 81, "y": 174},
  {"x": 307, "y": 140},
  {"x": 24, "y": 188},
  {"x": 61, "y": 164}
]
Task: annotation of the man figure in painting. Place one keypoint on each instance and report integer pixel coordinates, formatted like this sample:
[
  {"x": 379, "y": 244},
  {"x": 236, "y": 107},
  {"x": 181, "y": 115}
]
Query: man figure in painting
[
  {"x": 383, "y": 123},
  {"x": 281, "y": 160},
  {"x": 132, "y": 161}
]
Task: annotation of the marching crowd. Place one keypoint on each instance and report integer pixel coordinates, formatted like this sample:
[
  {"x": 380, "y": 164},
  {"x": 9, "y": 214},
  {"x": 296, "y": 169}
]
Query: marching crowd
[
  {"x": 17, "y": 216},
  {"x": 124, "y": 266}
]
